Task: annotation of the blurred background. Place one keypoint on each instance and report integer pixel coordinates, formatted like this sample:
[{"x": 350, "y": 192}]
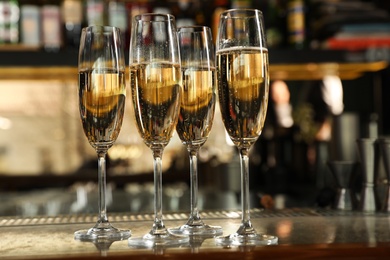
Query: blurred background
[{"x": 330, "y": 84}]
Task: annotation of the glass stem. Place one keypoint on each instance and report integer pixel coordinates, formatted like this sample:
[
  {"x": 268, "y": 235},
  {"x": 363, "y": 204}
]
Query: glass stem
[
  {"x": 102, "y": 187},
  {"x": 246, "y": 225},
  {"x": 158, "y": 225},
  {"x": 194, "y": 217}
]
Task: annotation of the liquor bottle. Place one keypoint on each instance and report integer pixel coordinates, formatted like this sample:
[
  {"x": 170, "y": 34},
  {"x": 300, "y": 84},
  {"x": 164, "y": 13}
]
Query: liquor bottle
[
  {"x": 51, "y": 26},
  {"x": 9, "y": 21},
  {"x": 237, "y": 4},
  {"x": 200, "y": 13},
  {"x": 296, "y": 23},
  {"x": 137, "y": 7},
  {"x": 73, "y": 17},
  {"x": 161, "y": 7},
  {"x": 95, "y": 12},
  {"x": 275, "y": 20},
  {"x": 183, "y": 12},
  {"x": 219, "y": 7},
  {"x": 117, "y": 15},
  {"x": 30, "y": 25}
]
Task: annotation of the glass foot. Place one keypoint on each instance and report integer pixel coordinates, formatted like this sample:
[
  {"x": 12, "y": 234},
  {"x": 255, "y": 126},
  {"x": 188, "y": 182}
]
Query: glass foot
[
  {"x": 197, "y": 230},
  {"x": 106, "y": 233},
  {"x": 151, "y": 240},
  {"x": 247, "y": 240}
]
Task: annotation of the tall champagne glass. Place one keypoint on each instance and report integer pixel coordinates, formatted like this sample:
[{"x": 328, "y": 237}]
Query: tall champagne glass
[
  {"x": 243, "y": 85},
  {"x": 196, "y": 112},
  {"x": 102, "y": 92},
  {"x": 155, "y": 81}
]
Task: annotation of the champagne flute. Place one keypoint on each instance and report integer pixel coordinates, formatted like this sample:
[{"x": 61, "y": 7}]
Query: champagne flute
[
  {"x": 155, "y": 81},
  {"x": 196, "y": 113},
  {"x": 243, "y": 86},
  {"x": 102, "y": 92}
]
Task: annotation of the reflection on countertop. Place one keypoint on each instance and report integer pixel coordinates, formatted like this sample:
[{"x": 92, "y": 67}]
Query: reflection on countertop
[{"x": 305, "y": 233}]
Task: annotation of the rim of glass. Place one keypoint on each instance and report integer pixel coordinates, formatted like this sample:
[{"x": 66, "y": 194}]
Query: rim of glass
[
  {"x": 102, "y": 28},
  {"x": 196, "y": 28},
  {"x": 141, "y": 17},
  {"x": 241, "y": 11}
]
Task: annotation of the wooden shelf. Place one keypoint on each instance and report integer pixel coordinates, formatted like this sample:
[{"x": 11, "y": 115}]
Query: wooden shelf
[
  {"x": 317, "y": 71},
  {"x": 18, "y": 62},
  {"x": 304, "y": 71},
  {"x": 38, "y": 73},
  {"x": 19, "y": 47}
]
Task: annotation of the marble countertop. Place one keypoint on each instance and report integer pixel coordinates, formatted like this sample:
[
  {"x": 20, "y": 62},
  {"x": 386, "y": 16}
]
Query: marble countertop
[{"x": 306, "y": 233}]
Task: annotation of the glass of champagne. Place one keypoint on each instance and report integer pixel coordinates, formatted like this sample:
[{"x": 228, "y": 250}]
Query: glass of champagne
[
  {"x": 196, "y": 113},
  {"x": 243, "y": 86},
  {"x": 156, "y": 83},
  {"x": 102, "y": 93}
]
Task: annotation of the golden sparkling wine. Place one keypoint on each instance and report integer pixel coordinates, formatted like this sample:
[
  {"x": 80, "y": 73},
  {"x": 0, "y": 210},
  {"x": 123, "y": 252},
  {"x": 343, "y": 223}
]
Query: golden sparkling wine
[
  {"x": 156, "y": 95},
  {"x": 102, "y": 102},
  {"x": 243, "y": 79},
  {"x": 197, "y": 106}
]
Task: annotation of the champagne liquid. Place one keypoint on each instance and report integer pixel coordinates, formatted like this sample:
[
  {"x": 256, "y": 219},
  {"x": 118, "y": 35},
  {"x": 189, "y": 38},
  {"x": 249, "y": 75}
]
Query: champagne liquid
[
  {"x": 196, "y": 107},
  {"x": 243, "y": 85},
  {"x": 101, "y": 103},
  {"x": 156, "y": 97}
]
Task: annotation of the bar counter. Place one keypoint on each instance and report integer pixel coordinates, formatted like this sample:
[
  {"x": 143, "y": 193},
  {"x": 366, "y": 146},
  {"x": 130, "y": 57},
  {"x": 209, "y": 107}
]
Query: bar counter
[{"x": 303, "y": 234}]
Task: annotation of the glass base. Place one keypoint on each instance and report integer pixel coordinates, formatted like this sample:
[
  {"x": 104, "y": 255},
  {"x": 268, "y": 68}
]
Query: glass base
[
  {"x": 164, "y": 239},
  {"x": 197, "y": 230},
  {"x": 255, "y": 239},
  {"x": 107, "y": 233}
]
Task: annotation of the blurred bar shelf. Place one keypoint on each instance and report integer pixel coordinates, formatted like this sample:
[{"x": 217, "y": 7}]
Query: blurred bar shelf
[
  {"x": 284, "y": 64},
  {"x": 317, "y": 71},
  {"x": 305, "y": 71},
  {"x": 303, "y": 233},
  {"x": 64, "y": 73}
]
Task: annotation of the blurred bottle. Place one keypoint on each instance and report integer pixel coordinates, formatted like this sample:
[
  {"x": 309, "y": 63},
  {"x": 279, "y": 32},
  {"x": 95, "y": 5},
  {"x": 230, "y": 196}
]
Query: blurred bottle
[
  {"x": 219, "y": 7},
  {"x": 137, "y": 7},
  {"x": 95, "y": 12},
  {"x": 162, "y": 7},
  {"x": 189, "y": 12},
  {"x": 275, "y": 20},
  {"x": 183, "y": 10},
  {"x": 72, "y": 16},
  {"x": 117, "y": 17},
  {"x": 296, "y": 24},
  {"x": 51, "y": 26},
  {"x": 30, "y": 25},
  {"x": 9, "y": 21},
  {"x": 237, "y": 4},
  {"x": 200, "y": 13}
]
